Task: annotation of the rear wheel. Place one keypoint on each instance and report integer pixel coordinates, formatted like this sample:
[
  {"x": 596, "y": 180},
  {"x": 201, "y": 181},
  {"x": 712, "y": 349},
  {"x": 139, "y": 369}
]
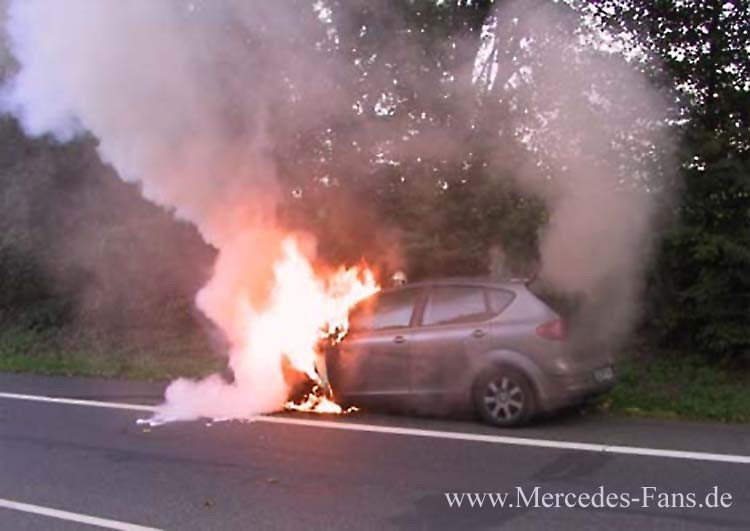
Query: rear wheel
[{"x": 503, "y": 397}]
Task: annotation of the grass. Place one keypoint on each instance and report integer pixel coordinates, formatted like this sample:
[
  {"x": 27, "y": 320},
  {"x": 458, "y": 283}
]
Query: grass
[
  {"x": 63, "y": 353},
  {"x": 665, "y": 386},
  {"x": 670, "y": 386}
]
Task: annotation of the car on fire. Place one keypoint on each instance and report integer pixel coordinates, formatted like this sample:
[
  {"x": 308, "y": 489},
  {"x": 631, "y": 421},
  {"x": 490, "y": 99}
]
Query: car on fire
[{"x": 493, "y": 346}]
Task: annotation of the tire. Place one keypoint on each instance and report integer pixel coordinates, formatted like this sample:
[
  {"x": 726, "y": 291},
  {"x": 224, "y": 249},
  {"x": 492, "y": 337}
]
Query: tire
[{"x": 503, "y": 397}]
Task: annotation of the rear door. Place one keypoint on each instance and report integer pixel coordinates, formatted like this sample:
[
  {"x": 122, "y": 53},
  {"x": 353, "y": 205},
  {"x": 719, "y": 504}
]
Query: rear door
[
  {"x": 374, "y": 357},
  {"x": 453, "y": 328}
]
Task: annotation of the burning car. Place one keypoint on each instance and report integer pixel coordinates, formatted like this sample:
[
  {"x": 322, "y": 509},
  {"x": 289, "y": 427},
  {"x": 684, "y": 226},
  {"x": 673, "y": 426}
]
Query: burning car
[{"x": 496, "y": 347}]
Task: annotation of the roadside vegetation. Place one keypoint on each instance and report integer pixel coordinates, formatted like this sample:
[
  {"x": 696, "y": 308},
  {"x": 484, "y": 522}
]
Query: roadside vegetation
[
  {"x": 671, "y": 385},
  {"x": 96, "y": 281},
  {"x": 59, "y": 352}
]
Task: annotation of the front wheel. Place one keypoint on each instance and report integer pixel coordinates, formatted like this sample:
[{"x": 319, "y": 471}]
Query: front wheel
[{"x": 503, "y": 397}]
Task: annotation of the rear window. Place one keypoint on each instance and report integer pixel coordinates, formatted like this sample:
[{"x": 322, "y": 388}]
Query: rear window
[
  {"x": 455, "y": 304},
  {"x": 499, "y": 299},
  {"x": 566, "y": 305},
  {"x": 386, "y": 310}
]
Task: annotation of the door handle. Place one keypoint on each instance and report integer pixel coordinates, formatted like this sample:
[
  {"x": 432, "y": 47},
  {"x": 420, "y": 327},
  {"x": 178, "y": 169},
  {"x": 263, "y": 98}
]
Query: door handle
[
  {"x": 399, "y": 339},
  {"x": 478, "y": 333}
]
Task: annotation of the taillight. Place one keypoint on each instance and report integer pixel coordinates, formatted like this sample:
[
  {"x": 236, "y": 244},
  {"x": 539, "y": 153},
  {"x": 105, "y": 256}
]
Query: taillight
[{"x": 555, "y": 330}]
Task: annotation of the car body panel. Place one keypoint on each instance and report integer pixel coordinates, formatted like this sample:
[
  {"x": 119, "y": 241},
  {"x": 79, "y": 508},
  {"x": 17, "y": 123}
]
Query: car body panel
[
  {"x": 444, "y": 358},
  {"x": 382, "y": 353},
  {"x": 375, "y": 362},
  {"x": 441, "y": 354}
]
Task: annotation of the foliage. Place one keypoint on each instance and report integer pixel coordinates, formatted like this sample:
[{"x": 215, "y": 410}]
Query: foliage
[
  {"x": 680, "y": 386},
  {"x": 699, "y": 288},
  {"x": 701, "y": 284},
  {"x": 70, "y": 352},
  {"x": 79, "y": 249}
]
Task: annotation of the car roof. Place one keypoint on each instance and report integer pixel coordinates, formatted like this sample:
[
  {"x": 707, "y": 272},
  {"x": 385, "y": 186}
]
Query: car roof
[{"x": 511, "y": 284}]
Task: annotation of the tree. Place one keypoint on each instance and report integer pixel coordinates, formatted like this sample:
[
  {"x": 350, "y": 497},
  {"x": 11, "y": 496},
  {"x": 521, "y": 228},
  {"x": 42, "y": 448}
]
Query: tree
[{"x": 700, "y": 289}]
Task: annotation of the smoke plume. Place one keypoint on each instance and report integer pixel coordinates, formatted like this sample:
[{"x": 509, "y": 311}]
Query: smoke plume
[
  {"x": 178, "y": 97},
  {"x": 597, "y": 148}
]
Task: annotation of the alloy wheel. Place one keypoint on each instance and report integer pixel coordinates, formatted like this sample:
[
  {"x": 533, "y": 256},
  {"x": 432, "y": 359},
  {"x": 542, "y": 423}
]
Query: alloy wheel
[{"x": 504, "y": 399}]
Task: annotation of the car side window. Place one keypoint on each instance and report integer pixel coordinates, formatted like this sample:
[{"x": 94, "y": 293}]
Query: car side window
[
  {"x": 455, "y": 304},
  {"x": 499, "y": 299},
  {"x": 386, "y": 310}
]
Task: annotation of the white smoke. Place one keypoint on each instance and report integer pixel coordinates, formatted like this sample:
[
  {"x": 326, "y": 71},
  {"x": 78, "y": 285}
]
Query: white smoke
[
  {"x": 174, "y": 93},
  {"x": 598, "y": 151}
]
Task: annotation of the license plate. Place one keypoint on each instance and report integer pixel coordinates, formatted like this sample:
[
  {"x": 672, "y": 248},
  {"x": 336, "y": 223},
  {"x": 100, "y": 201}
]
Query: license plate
[{"x": 604, "y": 375}]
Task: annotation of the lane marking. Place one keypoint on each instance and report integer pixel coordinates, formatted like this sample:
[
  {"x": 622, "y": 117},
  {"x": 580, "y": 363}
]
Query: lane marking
[
  {"x": 72, "y": 517},
  {"x": 517, "y": 441},
  {"x": 436, "y": 434},
  {"x": 78, "y": 402}
]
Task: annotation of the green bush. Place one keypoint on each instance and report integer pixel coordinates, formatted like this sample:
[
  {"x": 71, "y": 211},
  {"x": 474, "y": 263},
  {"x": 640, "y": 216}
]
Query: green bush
[{"x": 699, "y": 296}]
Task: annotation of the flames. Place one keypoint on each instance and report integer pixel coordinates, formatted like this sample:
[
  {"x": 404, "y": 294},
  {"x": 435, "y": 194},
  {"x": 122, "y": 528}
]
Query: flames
[
  {"x": 305, "y": 307},
  {"x": 274, "y": 338},
  {"x": 319, "y": 400}
]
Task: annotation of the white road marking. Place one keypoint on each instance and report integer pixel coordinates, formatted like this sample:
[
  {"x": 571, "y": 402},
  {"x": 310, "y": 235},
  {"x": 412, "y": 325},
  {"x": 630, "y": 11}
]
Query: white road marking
[
  {"x": 72, "y": 517},
  {"x": 517, "y": 441},
  {"x": 416, "y": 432},
  {"x": 78, "y": 402}
]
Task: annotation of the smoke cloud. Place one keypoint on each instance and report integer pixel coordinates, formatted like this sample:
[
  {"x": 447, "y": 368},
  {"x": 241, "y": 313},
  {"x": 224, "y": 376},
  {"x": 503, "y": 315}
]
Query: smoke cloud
[
  {"x": 178, "y": 97},
  {"x": 597, "y": 152},
  {"x": 188, "y": 100}
]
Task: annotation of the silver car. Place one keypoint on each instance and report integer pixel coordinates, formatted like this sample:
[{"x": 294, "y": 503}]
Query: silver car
[{"x": 493, "y": 346}]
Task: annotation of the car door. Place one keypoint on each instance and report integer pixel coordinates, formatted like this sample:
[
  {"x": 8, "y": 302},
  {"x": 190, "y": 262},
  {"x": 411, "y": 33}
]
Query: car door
[
  {"x": 374, "y": 357},
  {"x": 453, "y": 327}
]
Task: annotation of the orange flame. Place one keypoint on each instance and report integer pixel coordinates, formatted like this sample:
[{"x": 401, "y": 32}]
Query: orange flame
[
  {"x": 317, "y": 401},
  {"x": 282, "y": 330},
  {"x": 305, "y": 308}
]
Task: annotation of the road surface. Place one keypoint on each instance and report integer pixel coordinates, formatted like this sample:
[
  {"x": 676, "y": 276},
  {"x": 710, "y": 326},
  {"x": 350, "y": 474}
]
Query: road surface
[{"x": 76, "y": 464}]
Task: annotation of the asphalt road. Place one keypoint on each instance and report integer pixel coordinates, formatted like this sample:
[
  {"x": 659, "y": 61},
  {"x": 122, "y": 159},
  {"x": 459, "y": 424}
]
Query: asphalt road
[{"x": 95, "y": 462}]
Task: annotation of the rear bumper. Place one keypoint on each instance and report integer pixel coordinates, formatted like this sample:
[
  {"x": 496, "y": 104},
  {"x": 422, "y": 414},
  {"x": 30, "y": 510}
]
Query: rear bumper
[{"x": 569, "y": 389}]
